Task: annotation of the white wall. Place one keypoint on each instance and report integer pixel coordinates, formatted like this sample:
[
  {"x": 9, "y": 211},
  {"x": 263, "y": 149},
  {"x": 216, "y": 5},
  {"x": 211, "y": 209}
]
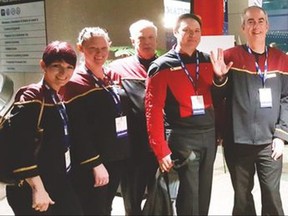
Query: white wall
[
  {"x": 235, "y": 9},
  {"x": 66, "y": 18}
]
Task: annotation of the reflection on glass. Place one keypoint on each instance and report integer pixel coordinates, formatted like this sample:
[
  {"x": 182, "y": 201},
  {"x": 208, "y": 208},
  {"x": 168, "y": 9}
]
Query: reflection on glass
[
  {"x": 275, "y": 4},
  {"x": 278, "y": 16}
]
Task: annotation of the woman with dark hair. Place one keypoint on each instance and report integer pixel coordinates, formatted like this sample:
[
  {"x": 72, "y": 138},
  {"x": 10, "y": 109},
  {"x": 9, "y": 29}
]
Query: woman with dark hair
[{"x": 45, "y": 186}]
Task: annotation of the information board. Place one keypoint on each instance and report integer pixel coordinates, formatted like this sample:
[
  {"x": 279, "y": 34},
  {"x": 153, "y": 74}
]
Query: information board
[{"x": 22, "y": 35}]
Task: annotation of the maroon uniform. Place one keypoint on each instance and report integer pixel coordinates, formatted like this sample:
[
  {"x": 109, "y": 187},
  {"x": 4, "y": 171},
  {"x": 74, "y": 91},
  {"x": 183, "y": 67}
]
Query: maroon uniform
[
  {"x": 49, "y": 163},
  {"x": 93, "y": 114},
  {"x": 141, "y": 167}
]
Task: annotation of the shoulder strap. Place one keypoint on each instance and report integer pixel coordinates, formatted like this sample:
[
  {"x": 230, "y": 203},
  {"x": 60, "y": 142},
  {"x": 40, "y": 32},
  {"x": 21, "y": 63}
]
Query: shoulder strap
[
  {"x": 40, "y": 115},
  {"x": 3, "y": 117}
]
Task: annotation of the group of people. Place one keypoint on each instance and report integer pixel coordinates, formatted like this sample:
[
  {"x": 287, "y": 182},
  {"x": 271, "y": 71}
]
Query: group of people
[
  {"x": 106, "y": 126},
  {"x": 94, "y": 129}
]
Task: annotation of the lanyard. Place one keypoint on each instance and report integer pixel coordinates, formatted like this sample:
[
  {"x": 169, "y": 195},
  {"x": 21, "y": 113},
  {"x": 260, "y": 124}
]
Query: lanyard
[
  {"x": 262, "y": 75},
  {"x": 195, "y": 84},
  {"x": 112, "y": 91},
  {"x": 63, "y": 114}
]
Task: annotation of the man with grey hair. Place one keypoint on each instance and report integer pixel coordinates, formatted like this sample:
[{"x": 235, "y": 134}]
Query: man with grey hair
[
  {"x": 131, "y": 72},
  {"x": 256, "y": 93}
]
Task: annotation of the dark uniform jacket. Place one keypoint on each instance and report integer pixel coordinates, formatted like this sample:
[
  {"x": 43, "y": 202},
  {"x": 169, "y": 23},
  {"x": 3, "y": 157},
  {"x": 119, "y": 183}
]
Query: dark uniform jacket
[
  {"x": 93, "y": 113},
  {"x": 131, "y": 72},
  {"x": 250, "y": 123},
  {"x": 50, "y": 161},
  {"x": 47, "y": 159}
]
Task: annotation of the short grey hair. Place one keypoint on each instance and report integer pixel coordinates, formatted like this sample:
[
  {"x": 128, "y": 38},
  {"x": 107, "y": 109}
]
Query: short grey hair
[
  {"x": 243, "y": 16},
  {"x": 140, "y": 25}
]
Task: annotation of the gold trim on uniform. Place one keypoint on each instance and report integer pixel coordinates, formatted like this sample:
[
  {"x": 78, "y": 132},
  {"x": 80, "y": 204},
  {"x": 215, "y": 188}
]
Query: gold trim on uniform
[
  {"x": 25, "y": 169},
  {"x": 282, "y": 131},
  {"x": 220, "y": 85},
  {"x": 89, "y": 160}
]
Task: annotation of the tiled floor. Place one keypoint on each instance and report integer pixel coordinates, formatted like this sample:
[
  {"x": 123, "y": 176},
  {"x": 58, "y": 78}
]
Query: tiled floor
[{"x": 222, "y": 192}]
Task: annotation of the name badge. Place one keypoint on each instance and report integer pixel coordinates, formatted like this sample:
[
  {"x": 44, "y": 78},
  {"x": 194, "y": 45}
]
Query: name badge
[
  {"x": 265, "y": 96},
  {"x": 198, "y": 105},
  {"x": 68, "y": 160},
  {"x": 121, "y": 126}
]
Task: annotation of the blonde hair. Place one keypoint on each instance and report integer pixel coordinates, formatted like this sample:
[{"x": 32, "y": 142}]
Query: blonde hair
[{"x": 88, "y": 32}]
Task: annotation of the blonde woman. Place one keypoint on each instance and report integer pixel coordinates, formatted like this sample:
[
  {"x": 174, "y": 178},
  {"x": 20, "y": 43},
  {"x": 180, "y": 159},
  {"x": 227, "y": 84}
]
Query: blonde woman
[{"x": 99, "y": 119}]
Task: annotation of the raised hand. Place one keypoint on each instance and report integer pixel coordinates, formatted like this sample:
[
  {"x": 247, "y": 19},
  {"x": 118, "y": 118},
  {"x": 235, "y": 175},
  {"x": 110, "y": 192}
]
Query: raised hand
[{"x": 219, "y": 66}]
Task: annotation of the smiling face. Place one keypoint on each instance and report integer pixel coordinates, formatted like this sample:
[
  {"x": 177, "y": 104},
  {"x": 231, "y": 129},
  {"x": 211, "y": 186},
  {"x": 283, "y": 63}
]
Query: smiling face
[
  {"x": 58, "y": 63},
  {"x": 95, "y": 50},
  {"x": 255, "y": 25},
  {"x": 57, "y": 74}
]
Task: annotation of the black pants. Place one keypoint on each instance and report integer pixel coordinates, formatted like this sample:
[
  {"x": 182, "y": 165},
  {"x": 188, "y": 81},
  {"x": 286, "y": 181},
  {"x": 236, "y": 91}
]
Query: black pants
[
  {"x": 139, "y": 174},
  {"x": 66, "y": 201},
  {"x": 98, "y": 200},
  {"x": 243, "y": 161},
  {"x": 195, "y": 178}
]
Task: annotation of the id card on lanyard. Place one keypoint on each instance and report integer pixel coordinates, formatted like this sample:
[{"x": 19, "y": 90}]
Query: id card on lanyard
[
  {"x": 121, "y": 126},
  {"x": 198, "y": 106},
  {"x": 120, "y": 121},
  {"x": 63, "y": 114},
  {"x": 265, "y": 94}
]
